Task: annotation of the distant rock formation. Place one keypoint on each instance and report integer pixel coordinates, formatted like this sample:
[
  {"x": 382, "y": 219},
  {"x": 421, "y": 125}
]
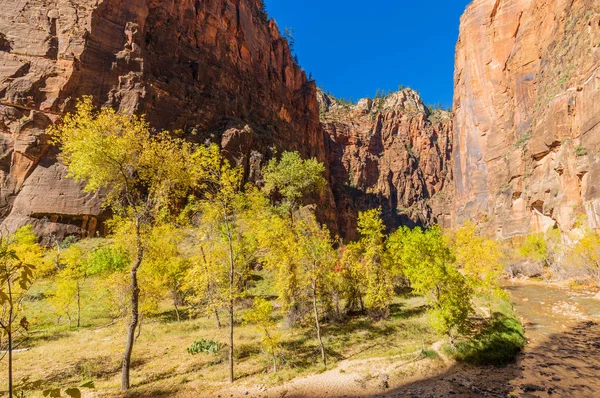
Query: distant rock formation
[{"x": 390, "y": 152}]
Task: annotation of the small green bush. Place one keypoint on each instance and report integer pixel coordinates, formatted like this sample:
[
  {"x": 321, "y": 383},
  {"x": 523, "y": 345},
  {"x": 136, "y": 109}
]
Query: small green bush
[
  {"x": 497, "y": 344},
  {"x": 205, "y": 346},
  {"x": 580, "y": 150},
  {"x": 430, "y": 354},
  {"x": 523, "y": 140}
]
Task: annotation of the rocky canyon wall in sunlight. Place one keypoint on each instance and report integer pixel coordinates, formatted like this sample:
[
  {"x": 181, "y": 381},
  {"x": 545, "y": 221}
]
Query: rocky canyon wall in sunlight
[
  {"x": 520, "y": 154},
  {"x": 216, "y": 69},
  {"x": 527, "y": 115}
]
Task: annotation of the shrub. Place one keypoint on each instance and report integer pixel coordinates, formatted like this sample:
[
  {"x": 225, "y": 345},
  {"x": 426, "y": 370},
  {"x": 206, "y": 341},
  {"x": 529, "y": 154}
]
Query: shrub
[
  {"x": 430, "y": 354},
  {"x": 580, "y": 150},
  {"x": 497, "y": 344},
  {"x": 205, "y": 346}
]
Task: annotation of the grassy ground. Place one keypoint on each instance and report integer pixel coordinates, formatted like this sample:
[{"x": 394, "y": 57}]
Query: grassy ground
[{"x": 64, "y": 357}]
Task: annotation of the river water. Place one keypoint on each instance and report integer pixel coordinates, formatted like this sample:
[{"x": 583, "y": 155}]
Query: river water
[
  {"x": 562, "y": 358},
  {"x": 547, "y": 309}
]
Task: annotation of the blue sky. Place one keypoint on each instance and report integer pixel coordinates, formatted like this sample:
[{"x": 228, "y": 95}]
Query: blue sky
[{"x": 353, "y": 48}]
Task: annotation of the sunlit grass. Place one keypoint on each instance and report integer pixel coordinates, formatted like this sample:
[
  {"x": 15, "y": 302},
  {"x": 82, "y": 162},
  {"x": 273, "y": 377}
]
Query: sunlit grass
[{"x": 64, "y": 357}]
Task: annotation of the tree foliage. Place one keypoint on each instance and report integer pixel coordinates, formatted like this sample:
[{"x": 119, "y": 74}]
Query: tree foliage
[
  {"x": 293, "y": 178},
  {"x": 261, "y": 315},
  {"x": 142, "y": 176},
  {"x": 480, "y": 260},
  {"x": 19, "y": 255},
  {"x": 429, "y": 265},
  {"x": 586, "y": 254}
]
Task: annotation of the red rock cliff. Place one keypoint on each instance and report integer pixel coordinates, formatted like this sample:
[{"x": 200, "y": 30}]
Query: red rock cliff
[
  {"x": 527, "y": 115},
  {"x": 214, "y": 68},
  {"x": 391, "y": 153}
]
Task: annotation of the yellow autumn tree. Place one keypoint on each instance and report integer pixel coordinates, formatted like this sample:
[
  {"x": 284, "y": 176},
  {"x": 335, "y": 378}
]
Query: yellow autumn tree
[
  {"x": 141, "y": 175},
  {"x": 19, "y": 256},
  {"x": 317, "y": 259},
  {"x": 480, "y": 260},
  {"x": 289, "y": 182},
  {"x": 166, "y": 266},
  {"x": 378, "y": 273},
  {"x": 586, "y": 254},
  {"x": 261, "y": 315},
  {"x": 220, "y": 210},
  {"x": 67, "y": 299}
]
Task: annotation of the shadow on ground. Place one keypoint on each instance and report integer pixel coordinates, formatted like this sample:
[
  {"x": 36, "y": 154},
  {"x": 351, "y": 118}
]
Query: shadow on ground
[{"x": 563, "y": 365}]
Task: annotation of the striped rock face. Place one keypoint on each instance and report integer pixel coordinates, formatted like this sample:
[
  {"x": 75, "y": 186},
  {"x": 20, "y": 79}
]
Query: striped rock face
[
  {"x": 527, "y": 115},
  {"x": 392, "y": 153},
  {"x": 216, "y": 69}
]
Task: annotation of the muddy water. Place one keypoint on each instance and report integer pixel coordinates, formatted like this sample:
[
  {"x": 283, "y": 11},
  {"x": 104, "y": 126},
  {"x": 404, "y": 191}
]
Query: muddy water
[
  {"x": 563, "y": 355},
  {"x": 548, "y": 309},
  {"x": 562, "y": 358}
]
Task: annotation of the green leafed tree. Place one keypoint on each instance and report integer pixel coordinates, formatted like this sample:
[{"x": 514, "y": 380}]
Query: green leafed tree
[
  {"x": 429, "y": 264},
  {"x": 293, "y": 179}
]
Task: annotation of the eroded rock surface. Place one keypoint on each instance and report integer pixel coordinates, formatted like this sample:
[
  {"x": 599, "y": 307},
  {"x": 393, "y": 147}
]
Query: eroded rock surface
[
  {"x": 216, "y": 69},
  {"x": 391, "y": 153},
  {"x": 527, "y": 115}
]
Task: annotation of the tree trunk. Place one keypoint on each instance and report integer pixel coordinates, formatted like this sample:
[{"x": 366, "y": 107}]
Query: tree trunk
[
  {"x": 78, "y": 305},
  {"x": 137, "y": 336},
  {"x": 177, "y": 311},
  {"x": 135, "y": 296},
  {"x": 10, "y": 370},
  {"x": 217, "y": 318},
  {"x": 9, "y": 335},
  {"x": 274, "y": 362},
  {"x": 231, "y": 290},
  {"x": 317, "y": 324},
  {"x": 231, "y": 341}
]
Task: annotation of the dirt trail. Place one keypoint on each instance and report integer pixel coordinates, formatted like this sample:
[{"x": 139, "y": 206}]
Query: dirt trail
[{"x": 562, "y": 359}]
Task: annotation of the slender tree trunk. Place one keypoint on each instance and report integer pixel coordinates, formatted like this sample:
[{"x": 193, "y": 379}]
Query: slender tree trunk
[
  {"x": 9, "y": 335},
  {"x": 177, "y": 311},
  {"x": 231, "y": 287},
  {"x": 217, "y": 318},
  {"x": 231, "y": 378},
  {"x": 135, "y": 296},
  {"x": 78, "y": 305},
  {"x": 10, "y": 370},
  {"x": 274, "y": 362},
  {"x": 317, "y": 324},
  {"x": 137, "y": 336}
]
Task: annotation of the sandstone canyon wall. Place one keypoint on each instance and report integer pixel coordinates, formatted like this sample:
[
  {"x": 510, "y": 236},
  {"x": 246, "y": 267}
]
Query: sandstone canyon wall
[
  {"x": 527, "y": 115},
  {"x": 216, "y": 69},
  {"x": 521, "y": 153},
  {"x": 390, "y": 152}
]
